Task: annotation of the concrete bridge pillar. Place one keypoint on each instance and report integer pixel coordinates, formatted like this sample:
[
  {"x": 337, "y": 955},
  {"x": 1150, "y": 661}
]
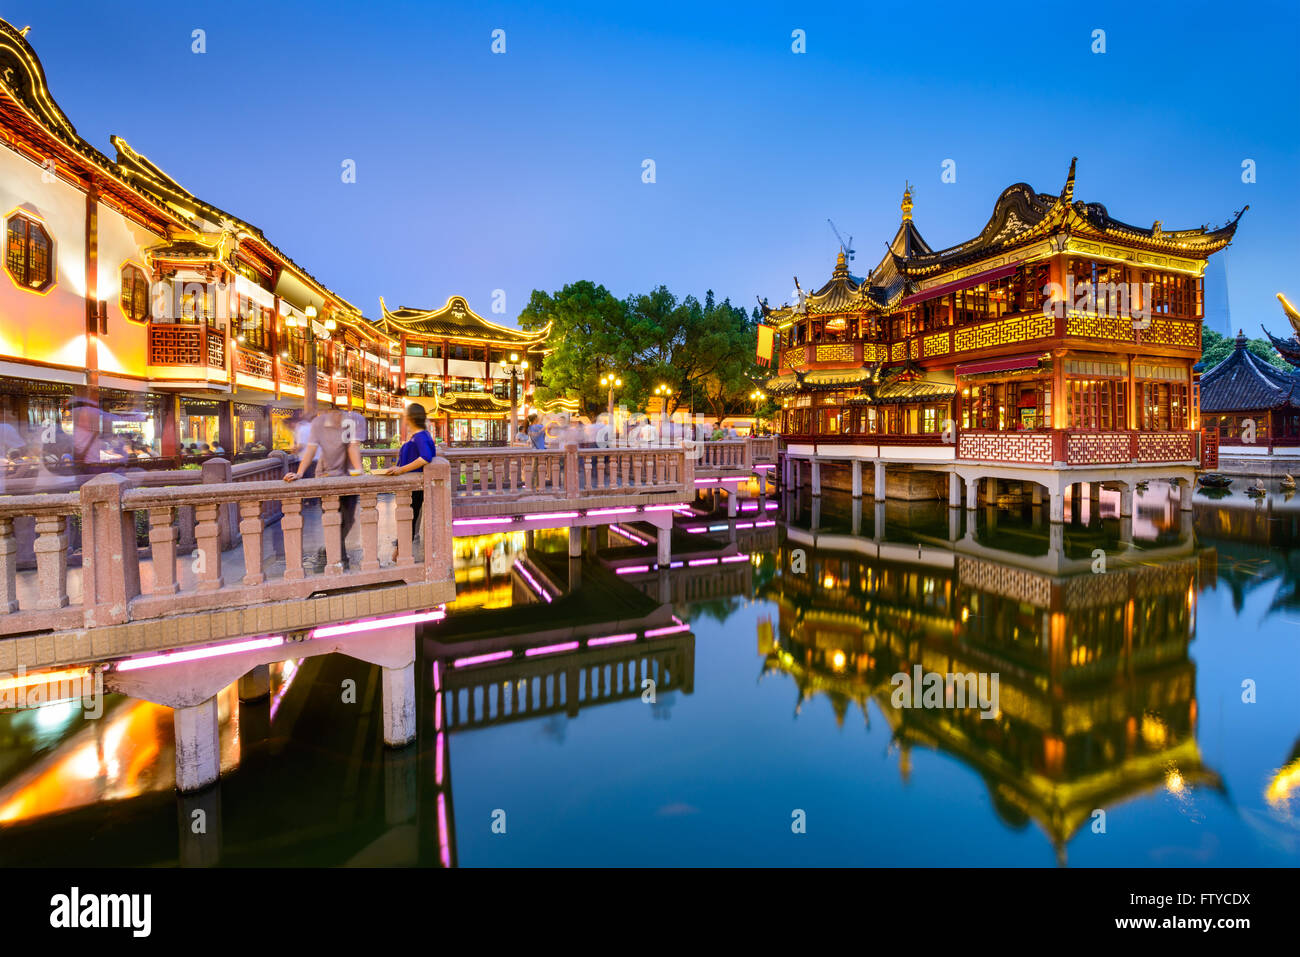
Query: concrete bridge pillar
[
  {"x": 1126, "y": 501},
  {"x": 857, "y": 478},
  {"x": 1036, "y": 493},
  {"x": 198, "y": 750},
  {"x": 879, "y": 490},
  {"x": 575, "y": 542},
  {"x": 954, "y": 490},
  {"x": 972, "y": 494},
  {"x": 733, "y": 503},
  {"x": 399, "y": 705},
  {"x": 664, "y": 541},
  {"x": 255, "y": 684},
  {"x": 1056, "y": 510},
  {"x": 816, "y": 477},
  {"x": 198, "y": 822},
  {"x": 762, "y": 482},
  {"x": 1186, "y": 489}
]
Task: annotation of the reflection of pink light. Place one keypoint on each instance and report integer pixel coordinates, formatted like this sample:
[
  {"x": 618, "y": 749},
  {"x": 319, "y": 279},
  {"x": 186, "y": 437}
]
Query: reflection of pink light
[
  {"x": 736, "y": 558},
  {"x": 437, "y": 712},
  {"x": 666, "y": 508},
  {"x": 437, "y": 763},
  {"x": 610, "y": 511},
  {"x": 744, "y": 525},
  {"x": 702, "y": 561},
  {"x": 354, "y": 627},
  {"x": 629, "y": 534},
  {"x": 444, "y": 854},
  {"x": 481, "y": 659},
  {"x": 551, "y": 649},
  {"x": 764, "y": 524},
  {"x": 545, "y": 515},
  {"x": 528, "y": 577},
  {"x": 749, "y": 507},
  {"x": 437, "y": 677},
  {"x": 482, "y": 521},
  {"x": 196, "y": 654},
  {"x": 631, "y": 569},
  {"x": 667, "y": 630},
  {"x": 611, "y": 640},
  {"x": 766, "y": 465},
  {"x": 694, "y": 531},
  {"x": 771, "y": 504},
  {"x": 675, "y": 565}
]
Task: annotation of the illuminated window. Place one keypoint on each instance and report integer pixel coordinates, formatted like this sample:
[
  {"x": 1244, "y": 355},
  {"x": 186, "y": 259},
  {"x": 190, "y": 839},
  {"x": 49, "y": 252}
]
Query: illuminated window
[
  {"x": 27, "y": 253},
  {"x": 135, "y": 293}
]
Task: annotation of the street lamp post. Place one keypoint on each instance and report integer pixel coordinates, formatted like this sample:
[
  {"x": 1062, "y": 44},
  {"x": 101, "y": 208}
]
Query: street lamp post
[
  {"x": 663, "y": 392},
  {"x": 757, "y": 397},
  {"x": 309, "y": 377},
  {"x": 613, "y": 382},
  {"x": 514, "y": 368}
]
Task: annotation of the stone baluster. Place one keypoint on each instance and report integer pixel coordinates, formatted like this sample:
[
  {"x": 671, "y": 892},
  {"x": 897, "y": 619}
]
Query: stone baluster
[
  {"x": 571, "y": 471},
  {"x": 291, "y": 527},
  {"x": 405, "y": 516},
  {"x": 331, "y": 521},
  {"x": 368, "y": 519},
  {"x": 207, "y": 533},
  {"x": 162, "y": 546},
  {"x": 250, "y": 528},
  {"x": 8, "y": 567}
]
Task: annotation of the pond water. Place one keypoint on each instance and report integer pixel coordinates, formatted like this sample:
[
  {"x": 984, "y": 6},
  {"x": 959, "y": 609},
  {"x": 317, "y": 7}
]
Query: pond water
[{"x": 1145, "y": 712}]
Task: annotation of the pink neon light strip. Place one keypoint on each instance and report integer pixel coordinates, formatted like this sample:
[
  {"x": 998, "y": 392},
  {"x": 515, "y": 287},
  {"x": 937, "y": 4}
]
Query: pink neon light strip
[
  {"x": 667, "y": 630},
  {"x": 437, "y": 713},
  {"x": 197, "y": 654},
  {"x": 631, "y": 569},
  {"x": 537, "y": 516},
  {"x": 736, "y": 558},
  {"x": 702, "y": 561},
  {"x": 611, "y": 640},
  {"x": 437, "y": 677},
  {"x": 764, "y": 524},
  {"x": 551, "y": 649},
  {"x": 695, "y": 531},
  {"x": 372, "y": 624},
  {"x": 437, "y": 764},
  {"x": 611, "y": 511},
  {"x": 481, "y": 659},
  {"x": 482, "y": 521},
  {"x": 675, "y": 565},
  {"x": 744, "y": 525},
  {"x": 444, "y": 854},
  {"x": 666, "y": 508}
]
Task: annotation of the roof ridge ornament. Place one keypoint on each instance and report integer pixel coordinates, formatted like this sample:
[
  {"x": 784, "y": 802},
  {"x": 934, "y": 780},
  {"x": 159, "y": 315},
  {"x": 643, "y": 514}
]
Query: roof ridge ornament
[
  {"x": 906, "y": 205},
  {"x": 1067, "y": 194}
]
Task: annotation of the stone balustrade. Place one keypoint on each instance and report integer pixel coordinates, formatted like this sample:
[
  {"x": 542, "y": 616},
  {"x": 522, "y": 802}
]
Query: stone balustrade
[
  {"x": 120, "y": 584},
  {"x": 570, "y": 473}
]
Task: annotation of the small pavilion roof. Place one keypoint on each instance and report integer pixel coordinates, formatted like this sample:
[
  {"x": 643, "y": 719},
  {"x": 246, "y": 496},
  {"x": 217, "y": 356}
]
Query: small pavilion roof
[
  {"x": 456, "y": 320},
  {"x": 1244, "y": 382}
]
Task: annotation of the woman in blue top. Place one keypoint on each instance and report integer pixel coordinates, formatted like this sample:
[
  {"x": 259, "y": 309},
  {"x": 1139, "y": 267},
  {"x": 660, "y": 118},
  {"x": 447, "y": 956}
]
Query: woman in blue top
[{"x": 416, "y": 452}]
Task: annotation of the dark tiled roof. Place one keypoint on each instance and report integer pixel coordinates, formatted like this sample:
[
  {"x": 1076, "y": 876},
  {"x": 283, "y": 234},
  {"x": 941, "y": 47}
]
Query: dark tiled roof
[
  {"x": 460, "y": 403},
  {"x": 1244, "y": 382}
]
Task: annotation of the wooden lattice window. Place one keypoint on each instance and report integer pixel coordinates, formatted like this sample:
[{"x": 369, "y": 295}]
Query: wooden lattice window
[{"x": 28, "y": 253}]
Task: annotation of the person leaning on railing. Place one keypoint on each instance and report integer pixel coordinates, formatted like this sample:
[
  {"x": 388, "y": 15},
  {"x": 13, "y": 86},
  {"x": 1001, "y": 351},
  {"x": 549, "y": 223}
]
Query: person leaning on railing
[{"x": 416, "y": 452}]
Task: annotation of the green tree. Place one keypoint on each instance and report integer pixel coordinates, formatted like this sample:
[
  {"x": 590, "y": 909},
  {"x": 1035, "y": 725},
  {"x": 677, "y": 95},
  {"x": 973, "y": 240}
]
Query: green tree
[
  {"x": 1215, "y": 347},
  {"x": 586, "y": 321}
]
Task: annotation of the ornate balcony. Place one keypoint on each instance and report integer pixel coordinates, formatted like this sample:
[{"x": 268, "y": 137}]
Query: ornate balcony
[
  {"x": 1060, "y": 448},
  {"x": 186, "y": 352}
]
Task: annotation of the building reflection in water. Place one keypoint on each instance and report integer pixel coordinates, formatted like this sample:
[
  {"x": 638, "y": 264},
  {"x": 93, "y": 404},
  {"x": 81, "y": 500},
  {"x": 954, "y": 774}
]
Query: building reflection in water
[{"x": 1097, "y": 689}]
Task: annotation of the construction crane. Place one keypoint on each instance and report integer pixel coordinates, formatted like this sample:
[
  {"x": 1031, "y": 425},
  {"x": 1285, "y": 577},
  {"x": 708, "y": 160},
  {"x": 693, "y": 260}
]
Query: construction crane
[{"x": 847, "y": 248}]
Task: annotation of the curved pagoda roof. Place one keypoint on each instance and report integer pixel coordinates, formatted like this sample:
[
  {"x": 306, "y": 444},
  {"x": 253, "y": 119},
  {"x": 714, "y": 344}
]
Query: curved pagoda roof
[
  {"x": 1243, "y": 382},
  {"x": 456, "y": 320},
  {"x": 1020, "y": 216}
]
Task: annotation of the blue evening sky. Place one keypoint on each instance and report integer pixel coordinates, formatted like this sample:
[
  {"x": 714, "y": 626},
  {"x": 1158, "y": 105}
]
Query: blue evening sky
[{"x": 479, "y": 171}]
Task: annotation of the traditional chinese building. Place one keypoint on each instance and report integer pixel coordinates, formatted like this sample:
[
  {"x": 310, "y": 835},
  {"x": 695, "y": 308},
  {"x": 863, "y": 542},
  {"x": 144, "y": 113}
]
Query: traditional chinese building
[
  {"x": 465, "y": 370},
  {"x": 1254, "y": 408},
  {"x": 1055, "y": 347},
  {"x": 180, "y": 325}
]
